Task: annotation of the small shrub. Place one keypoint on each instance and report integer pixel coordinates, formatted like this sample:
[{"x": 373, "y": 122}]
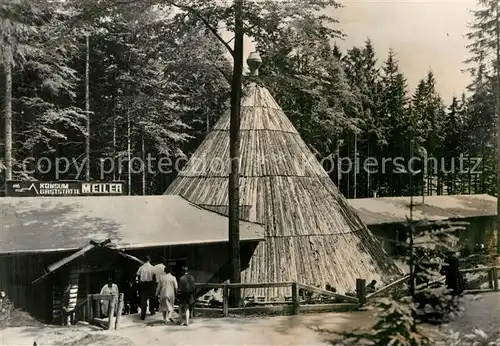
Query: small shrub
[{"x": 396, "y": 326}]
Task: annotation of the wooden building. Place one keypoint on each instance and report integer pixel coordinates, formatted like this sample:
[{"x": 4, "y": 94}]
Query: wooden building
[
  {"x": 386, "y": 217},
  {"x": 312, "y": 234},
  {"x": 48, "y": 243}
]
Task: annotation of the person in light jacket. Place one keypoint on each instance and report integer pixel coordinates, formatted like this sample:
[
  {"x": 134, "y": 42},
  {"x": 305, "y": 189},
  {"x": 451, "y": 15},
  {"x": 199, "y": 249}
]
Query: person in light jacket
[{"x": 166, "y": 291}]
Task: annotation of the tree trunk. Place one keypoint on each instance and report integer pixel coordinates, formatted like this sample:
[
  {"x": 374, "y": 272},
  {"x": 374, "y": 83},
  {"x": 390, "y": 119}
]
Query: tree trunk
[
  {"x": 469, "y": 175},
  {"x": 234, "y": 153},
  {"x": 355, "y": 164},
  {"x": 129, "y": 152},
  {"x": 8, "y": 116},
  {"x": 411, "y": 228},
  {"x": 368, "y": 192},
  {"x": 338, "y": 165},
  {"x": 144, "y": 167},
  {"x": 87, "y": 109},
  {"x": 423, "y": 185},
  {"x": 114, "y": 137},
  {"x": 348, "y": 191},
  {"x": 497, "y": 72}
]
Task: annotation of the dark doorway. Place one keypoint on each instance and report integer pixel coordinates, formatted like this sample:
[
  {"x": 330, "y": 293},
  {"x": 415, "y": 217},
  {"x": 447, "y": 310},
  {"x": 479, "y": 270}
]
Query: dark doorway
[{"x": 97, "y": 280}]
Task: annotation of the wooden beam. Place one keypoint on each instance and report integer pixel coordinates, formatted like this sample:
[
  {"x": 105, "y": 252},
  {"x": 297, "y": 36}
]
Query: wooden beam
[
  {"x": 327, "y": 293},
  {"x": 262, "y": 285},
  {"x": 119, "y": 310},
  {"x": 214, "y": 310},
  {"x": 295, "y": 299},
  {"x": 90, "y": 313},
  {"x": 386, "y": 287},
  {"x": 263, "y": 309},
  {"x": 490, "y": 279},
  {"x": 225, "y": 301},
  {"x": 336, "y": 307},
  {"x": 482, "y": 269},
  {"x": 361, "y": 291},
  {"x": 102, "y": 296},
  {"x": 495, "y": 279},
  {"x": 111, "y": 311}
]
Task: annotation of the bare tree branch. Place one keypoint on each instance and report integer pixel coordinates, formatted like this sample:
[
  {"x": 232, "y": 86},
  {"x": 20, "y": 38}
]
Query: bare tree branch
[
  {"x": 196, "y": 13},
  {"x": 212, "y": 29}
]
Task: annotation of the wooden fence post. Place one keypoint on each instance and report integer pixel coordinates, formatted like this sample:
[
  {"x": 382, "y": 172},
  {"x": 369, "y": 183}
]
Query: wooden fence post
[
  {"x": 119, "y": 310},
  {"x": 295, "y": 299},
  {"x": 90, "y": 313},
  {"x": 490, "y": 278},
  {"x": 111, "y": 310},
  {"x": 225, "y": 300},
  {"x": 495, "y": 278},
  {"x": 361, "y": 291},
  {"x": 96, "y": 304}
]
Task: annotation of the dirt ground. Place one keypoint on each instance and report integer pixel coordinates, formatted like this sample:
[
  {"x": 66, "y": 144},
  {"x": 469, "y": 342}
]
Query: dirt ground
[
  {"x": 281, "y": 330},
  {"x": 306, "y": 329}
]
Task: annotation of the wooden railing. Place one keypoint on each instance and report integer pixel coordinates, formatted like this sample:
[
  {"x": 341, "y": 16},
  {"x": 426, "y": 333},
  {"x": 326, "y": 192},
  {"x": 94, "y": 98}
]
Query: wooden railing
[
  {"x": 295, "y": 305},
  {"x": 492, "y": 279},
  {"x": 492, "y": 282},
  {"x": 388, "y": 287},
  {"x": 89, "y": 310}
]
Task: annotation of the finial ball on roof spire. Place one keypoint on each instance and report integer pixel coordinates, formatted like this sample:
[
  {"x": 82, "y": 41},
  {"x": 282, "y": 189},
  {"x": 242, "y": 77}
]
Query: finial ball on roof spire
[{"x": 254, "y": 61}]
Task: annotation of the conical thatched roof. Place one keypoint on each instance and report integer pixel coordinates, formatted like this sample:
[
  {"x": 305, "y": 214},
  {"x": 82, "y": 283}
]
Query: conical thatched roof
[{"x": 313, "y": 235}]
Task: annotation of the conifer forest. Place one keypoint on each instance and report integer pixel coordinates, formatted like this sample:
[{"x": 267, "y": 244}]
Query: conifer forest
[{"x": 94, "y": 79}]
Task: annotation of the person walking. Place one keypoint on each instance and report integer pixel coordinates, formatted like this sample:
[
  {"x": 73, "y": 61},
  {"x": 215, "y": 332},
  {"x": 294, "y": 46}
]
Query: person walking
[
  {"x": 109, "y": 289},
  {"x": 166, "y": 290},
  {"x": 186, "y": 295},
  {"x": 159, "y": 271},
  {"x": 146, "y": 278}
]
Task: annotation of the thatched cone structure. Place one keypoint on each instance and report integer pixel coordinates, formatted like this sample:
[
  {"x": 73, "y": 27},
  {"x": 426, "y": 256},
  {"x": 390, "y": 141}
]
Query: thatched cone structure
[{"x": 313, "y": 236}]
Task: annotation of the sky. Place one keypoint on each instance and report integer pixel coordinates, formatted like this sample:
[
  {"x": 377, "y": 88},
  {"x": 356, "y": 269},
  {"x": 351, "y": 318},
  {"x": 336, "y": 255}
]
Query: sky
[{"x": 424, "y": 34}]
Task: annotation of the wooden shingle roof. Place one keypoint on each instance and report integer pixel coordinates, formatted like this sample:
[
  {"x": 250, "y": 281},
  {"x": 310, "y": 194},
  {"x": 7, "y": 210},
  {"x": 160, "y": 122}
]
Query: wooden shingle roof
[
  {"x": 48, "y": 224},
  {"x": 386, "y": 210},
  {"x": 312, "y": 234}
]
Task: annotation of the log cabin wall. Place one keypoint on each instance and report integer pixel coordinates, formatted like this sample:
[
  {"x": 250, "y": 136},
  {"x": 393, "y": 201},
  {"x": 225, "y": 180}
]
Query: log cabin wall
[{"x": 87, "y": 275}]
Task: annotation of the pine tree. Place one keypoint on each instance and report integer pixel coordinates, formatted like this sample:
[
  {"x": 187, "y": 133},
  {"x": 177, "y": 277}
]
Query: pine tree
[
  {"x": 427, "y": 117},
  {"x": 393, "y": 109},
  {"x": 42, "y": 81},
  {"x": 18, "y": 22},
  {"x": 455, "y": 142},
  {"x": 485, "y": 49}
]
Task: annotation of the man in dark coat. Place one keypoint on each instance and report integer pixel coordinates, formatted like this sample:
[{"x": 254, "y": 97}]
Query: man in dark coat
[{"x": 186, "y": 296}]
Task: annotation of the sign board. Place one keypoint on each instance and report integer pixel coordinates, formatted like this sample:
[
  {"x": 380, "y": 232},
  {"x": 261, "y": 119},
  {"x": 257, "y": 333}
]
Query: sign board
[{"x": 64, "y": 188}]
